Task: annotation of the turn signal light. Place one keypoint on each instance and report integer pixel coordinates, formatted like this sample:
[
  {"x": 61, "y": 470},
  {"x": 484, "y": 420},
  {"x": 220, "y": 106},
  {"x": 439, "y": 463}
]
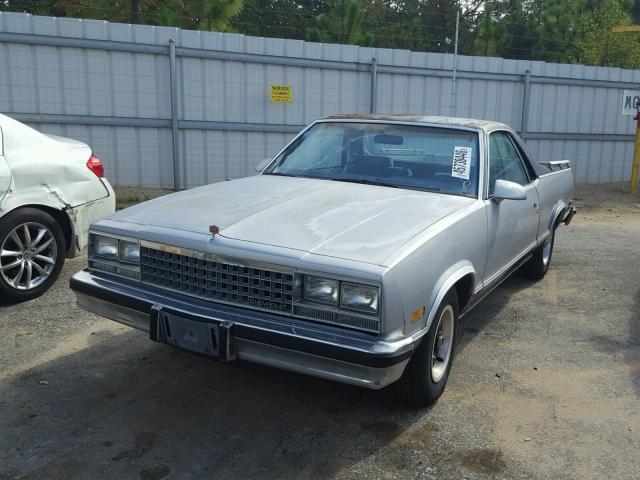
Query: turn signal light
[
  {"x": 95, "y": 165},
  {"x": 418, "y": 314}
]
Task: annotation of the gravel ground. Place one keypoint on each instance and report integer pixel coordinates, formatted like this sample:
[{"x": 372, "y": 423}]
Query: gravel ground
[{"x": 545, "y": 385}]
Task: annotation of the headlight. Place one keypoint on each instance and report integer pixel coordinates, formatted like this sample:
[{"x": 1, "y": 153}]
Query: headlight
[
  {"x": 360, "y": 297},
  {"x": 115, "y": 255},
  {"x": 106, "y": 247},
  {"x": 320, "y": 289},
  {"x": 129, "y": 251}
]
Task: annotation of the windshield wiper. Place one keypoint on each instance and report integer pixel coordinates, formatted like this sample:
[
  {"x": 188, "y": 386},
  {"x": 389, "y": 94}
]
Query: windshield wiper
[
  {"x": 339, "y": 179},
  {"x": 280, "y": 174},
  {"x": 384, "y": 184},
  {"x": 362, "y": 180}
]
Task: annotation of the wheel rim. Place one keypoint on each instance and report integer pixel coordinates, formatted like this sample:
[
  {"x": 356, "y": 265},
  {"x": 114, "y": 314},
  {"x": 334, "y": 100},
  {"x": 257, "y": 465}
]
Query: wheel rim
[
  {"x": 546, "y": 250},
  {"x": 28, "y": 256},
  {"x": 442, "y": 344}
]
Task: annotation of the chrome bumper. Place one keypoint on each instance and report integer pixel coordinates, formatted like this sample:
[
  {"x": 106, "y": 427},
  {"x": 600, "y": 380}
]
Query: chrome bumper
[{"x": 257, "y": 337}]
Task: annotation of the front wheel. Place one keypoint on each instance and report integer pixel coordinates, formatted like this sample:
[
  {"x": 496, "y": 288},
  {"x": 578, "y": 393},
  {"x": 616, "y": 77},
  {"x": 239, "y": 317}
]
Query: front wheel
[
  {"x": 32, "y": 251},
  {"x": 427, "y": 372}
]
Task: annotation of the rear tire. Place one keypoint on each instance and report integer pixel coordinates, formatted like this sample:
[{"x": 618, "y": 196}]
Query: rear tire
[
  {"x": 32, "y": 252},
  {"x": 427, "y": 372},
  {"x": 538, "y": 265}
]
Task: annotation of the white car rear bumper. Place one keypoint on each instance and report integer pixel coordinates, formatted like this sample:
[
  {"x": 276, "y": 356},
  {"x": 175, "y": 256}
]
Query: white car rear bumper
[{"x": 82, "y": 216}]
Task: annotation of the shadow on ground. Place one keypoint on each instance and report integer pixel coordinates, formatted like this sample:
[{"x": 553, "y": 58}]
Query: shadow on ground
[
  {"x": 125, "y": 406},
  {"x": 477, "y": 320},
  {"x": 634, "y": 351}
]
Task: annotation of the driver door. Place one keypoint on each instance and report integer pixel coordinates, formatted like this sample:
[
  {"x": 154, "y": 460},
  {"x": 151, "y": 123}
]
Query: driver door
[{"x": 512, "y": 224}]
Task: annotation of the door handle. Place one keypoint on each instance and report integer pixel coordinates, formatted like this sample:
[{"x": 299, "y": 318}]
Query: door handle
[{"x": 537, "y": 206}]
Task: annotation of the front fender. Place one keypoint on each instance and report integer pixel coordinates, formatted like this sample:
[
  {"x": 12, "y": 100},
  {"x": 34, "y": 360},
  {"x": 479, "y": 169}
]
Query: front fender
[{"x": 447, "y": 280}]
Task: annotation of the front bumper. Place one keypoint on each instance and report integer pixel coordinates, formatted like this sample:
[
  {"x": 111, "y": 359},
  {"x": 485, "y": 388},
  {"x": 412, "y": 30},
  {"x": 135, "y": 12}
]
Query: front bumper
[{"x": 257, "y": 337}]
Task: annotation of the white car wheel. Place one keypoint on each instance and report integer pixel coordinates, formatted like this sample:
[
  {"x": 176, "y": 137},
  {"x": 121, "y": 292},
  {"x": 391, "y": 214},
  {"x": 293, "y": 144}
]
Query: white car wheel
[{"x": 31, "y": 253}]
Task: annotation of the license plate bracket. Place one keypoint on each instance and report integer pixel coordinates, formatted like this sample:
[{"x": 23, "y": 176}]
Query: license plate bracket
[{"x": 209, "y": 338}]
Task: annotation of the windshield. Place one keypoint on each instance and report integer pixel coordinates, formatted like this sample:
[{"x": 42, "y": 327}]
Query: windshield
[{"x": 404, "y": 156}]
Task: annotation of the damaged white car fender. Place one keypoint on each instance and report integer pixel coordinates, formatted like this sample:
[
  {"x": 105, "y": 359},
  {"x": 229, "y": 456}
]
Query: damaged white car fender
[{"x": 45, "y": 175}]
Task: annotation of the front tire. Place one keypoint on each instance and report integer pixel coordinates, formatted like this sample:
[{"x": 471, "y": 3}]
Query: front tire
[
  {"x": 32, "y": 251},
  {"x": 427, "y": 372}
]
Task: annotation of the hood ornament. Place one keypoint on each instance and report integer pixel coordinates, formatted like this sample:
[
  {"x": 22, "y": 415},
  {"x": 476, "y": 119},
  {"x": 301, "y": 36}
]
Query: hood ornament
[{"x": 214, "y": 230}]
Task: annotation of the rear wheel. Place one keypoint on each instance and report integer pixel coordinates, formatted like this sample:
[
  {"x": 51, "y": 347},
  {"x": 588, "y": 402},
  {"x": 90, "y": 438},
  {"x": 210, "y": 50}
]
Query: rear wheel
[
  {"x": 538, "y": 265},
  {"x": 32, "y": 249},
  {"x": 427, "y": 372}
]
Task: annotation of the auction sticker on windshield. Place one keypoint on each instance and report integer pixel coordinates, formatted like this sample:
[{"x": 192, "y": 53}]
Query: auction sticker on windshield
[{"x": 461, "y": 167}]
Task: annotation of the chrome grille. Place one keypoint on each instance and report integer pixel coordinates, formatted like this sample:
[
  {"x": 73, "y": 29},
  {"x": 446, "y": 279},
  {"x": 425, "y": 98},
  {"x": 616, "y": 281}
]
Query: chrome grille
[{"x": 218, "y": 280}]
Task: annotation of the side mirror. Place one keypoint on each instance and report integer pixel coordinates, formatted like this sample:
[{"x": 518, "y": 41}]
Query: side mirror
[
  {"x": 505, "y": 190},
  {"x": 263, "y": 164}
]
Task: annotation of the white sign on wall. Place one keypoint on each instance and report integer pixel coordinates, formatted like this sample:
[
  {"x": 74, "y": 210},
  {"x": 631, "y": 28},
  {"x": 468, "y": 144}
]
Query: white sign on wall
[{"x": 629, "y": 100}]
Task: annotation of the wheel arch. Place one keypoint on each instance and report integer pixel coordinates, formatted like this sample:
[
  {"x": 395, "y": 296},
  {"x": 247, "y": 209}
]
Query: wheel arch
[
  {"x": 462, "y": 278},
  {"x": 60, "y": 216},
  {"x": 557, "y": 215},
  {"x": 464, "y": 288}
]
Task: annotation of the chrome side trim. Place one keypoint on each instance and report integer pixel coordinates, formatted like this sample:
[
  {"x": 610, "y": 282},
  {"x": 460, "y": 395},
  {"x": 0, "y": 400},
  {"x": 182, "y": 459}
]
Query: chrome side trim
[
  {"x": 481, "y": 294},
  {"x": 509, "y": 265},
  {"x": 543, "y": 237}
]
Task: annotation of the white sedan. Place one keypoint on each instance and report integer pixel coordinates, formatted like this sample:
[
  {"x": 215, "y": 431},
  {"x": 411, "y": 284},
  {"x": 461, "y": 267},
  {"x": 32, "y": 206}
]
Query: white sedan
[{"x": 51, "y": 189}]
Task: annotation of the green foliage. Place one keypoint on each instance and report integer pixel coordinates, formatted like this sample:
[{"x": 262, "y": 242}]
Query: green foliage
[
  {"x": 564, "y": 31},
  {"x": 278, "y": 18},
  {"x": 597, "y": 45},
  {"x": 341, "y": 22},
  {"x": 214, "y": 14},
  {"x": 194, "y": 14}
]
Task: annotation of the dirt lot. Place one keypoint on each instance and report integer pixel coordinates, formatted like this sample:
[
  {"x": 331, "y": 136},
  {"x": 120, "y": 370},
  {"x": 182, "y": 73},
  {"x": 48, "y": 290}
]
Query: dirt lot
[{"x": 546, "y": 384}]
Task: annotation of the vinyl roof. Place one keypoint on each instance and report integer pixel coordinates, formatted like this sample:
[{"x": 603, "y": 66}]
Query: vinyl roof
[{"x": 432, "y": 120}]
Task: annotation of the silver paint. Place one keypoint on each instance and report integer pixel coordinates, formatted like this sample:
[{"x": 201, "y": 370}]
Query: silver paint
[{"x": 416, "y": 245}]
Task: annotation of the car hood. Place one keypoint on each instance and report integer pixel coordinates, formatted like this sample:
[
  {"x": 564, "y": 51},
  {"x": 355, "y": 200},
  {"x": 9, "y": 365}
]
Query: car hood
[{"x": 365, "y": 223}]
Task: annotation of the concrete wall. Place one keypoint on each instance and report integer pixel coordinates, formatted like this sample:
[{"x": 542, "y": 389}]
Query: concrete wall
[{"x": 111, "y": 85}]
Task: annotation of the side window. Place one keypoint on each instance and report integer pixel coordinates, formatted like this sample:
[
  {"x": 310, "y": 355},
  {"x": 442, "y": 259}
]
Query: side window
[{"x": 504, "y": 161}]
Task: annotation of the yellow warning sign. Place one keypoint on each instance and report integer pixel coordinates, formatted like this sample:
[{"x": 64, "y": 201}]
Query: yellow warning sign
[{"x": 280, "y": 93}]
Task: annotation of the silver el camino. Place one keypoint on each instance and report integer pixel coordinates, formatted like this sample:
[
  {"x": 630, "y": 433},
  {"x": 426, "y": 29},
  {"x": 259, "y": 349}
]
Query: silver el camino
[{"x": 352, "y": 256}]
